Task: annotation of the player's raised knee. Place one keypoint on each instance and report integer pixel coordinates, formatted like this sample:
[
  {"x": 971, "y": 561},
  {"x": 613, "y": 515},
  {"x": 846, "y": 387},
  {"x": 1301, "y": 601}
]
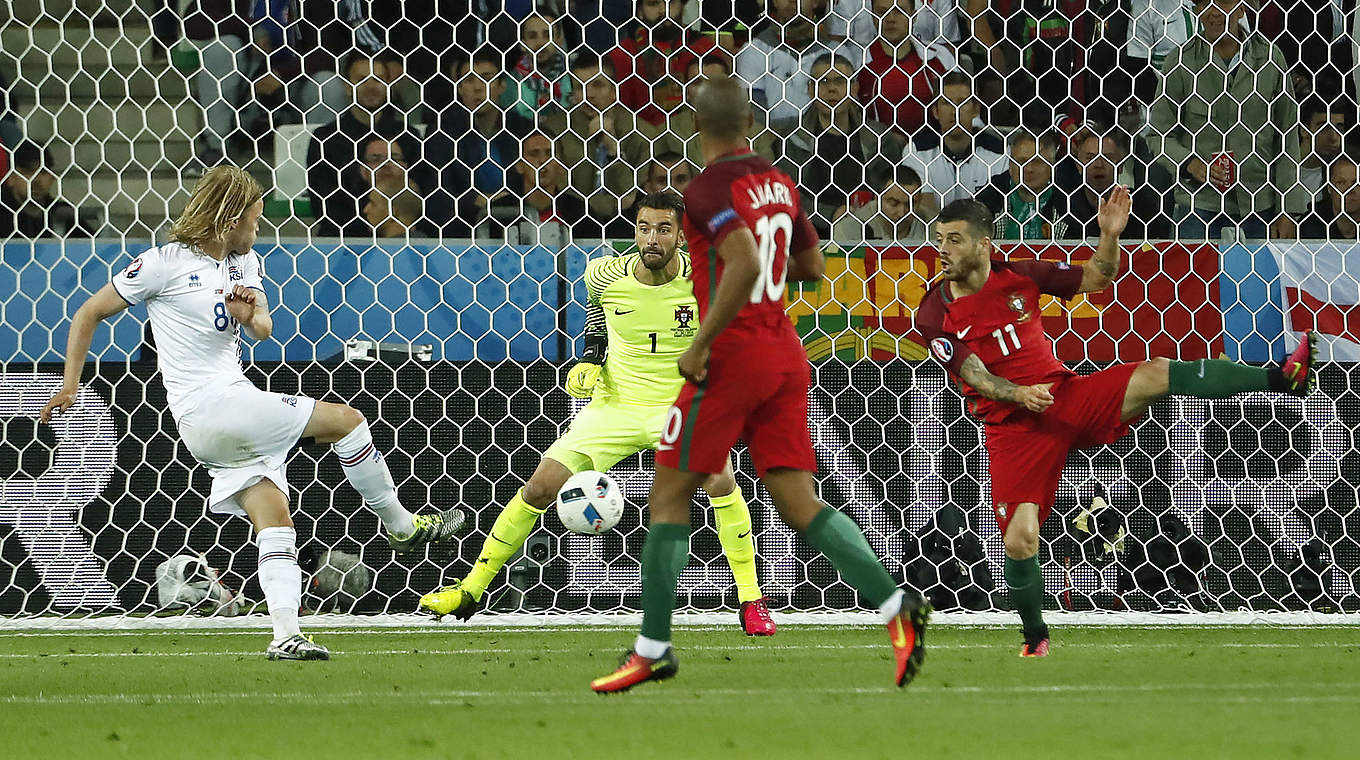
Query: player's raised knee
[
  {"x": 349, "y": 418},
  {"x": 1022, "y": 542},
  {"x": 538, "y": 492}
]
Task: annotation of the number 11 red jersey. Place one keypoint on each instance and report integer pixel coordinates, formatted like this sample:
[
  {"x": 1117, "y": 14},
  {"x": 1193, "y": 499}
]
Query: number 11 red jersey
[
  {"x": 744, "y": 190},
  {"x": 1001, "y": 324}
]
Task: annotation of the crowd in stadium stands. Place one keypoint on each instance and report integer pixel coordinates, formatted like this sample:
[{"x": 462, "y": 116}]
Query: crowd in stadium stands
[{"x": 496, "y": 118}]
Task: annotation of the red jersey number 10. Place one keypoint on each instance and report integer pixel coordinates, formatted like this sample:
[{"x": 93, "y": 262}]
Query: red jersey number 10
[{"x": 770, "y": 284}]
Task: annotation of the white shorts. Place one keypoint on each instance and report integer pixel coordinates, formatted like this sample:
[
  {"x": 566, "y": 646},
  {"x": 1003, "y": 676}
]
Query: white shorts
[{"x": 243, "y": 435}]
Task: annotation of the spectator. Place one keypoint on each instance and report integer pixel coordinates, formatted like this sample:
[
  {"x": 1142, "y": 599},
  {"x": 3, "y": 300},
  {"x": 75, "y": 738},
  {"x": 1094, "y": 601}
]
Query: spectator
[
  {"x": 395, "y": 217},
  {"x": 956, "y": 159},
  {"x": 1335, "y": 213},
  {"x": 473, "y": 146},
  {"x": 658, "y": 47},
  {"x": 383, "y": 166},
  {"x": 1153, "y": 29},
  {"x": 1043, "y": 39},
  {"x": 1321, "y": 126},
  {"x": 220, "y": 29},
  {"x": 775, "y": 64},
  {"x": 28, "y": 207},
  {"x": 10, "y": 134},
  {"x": 540, "y": 82},
  {"x": 1318, "y": 37},
  {"x": 680, "y": 135},
  {"x": 605, "y": 145},
  {"x": 1024, "y": 201},
  {"x": 901, "y": 74},
  {"x": 336, "y": 196},
  {"x": 901, "y": 213},
  {"x": 544, "y": 198},
  {"x": 831, "y": 151},
  {"x": 1102, "y": 159},
  {"x": 668, "y": 171},
  {"x": 1225, "y": 124}
]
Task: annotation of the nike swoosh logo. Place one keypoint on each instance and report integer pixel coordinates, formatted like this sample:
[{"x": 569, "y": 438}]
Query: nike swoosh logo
[
  {"x": 665, "y": 447},
  {"x": 964, "y": 332},
  {"x": 744, "y": 535},
  {"x": 899, "y": 636},
  {"x": 621, "y": 313}
]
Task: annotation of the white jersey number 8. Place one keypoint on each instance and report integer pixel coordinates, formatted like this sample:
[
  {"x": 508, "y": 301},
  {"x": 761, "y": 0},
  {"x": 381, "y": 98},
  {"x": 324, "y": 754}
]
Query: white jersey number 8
[{"x": 767, "y": 245}]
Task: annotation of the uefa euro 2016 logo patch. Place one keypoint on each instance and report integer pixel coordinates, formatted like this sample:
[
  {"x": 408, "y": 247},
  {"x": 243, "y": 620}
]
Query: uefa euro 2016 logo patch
[{"x": 133, "y": 269}]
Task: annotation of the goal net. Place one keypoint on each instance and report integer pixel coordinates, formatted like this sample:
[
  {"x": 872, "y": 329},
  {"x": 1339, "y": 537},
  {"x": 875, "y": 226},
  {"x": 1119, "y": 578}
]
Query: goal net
[{"x": 438, "y": 175}]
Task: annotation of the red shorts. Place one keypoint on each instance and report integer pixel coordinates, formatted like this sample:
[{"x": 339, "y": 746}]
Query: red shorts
[
  {"x": 765, "y": 406},
  {"x": 1026, "y": 453}
]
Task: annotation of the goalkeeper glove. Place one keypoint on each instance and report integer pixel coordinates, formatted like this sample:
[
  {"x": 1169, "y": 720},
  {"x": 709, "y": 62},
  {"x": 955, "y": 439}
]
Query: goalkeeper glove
[{"x": 581, "y": 379}]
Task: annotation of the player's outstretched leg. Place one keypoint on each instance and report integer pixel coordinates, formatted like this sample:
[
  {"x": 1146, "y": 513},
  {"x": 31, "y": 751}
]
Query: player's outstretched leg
[
  {"x": 279, "y": 575},
  {"x": 664, "y": 556},
  {"x": 1024, "y": 579},
  {"x": 734, "y": 533},
  {"x": 836, "y": 535},
  {"x": 463, "y": 598},
  {"x": 1220, "y": 378},
  {"x": 367, "y": 472}
]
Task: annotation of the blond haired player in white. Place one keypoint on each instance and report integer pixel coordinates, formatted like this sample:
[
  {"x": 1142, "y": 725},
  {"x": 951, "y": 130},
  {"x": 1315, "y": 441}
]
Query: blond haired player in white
[{"x": 200, "y": 289}]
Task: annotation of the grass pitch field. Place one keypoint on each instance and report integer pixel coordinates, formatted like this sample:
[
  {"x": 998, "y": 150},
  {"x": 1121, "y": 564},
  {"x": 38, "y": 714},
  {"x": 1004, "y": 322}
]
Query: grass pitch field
[{"x": 1239, "y": 692}]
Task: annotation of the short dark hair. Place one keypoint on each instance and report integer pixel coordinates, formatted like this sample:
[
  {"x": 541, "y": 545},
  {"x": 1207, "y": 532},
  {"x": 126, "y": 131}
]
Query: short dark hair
[
  {"x": 589, "y": 59},
  {"x": 722, "y": 108},
  {"x": 711, "y": 60},
  {"x": 956, "y": 77},
  {"x": 382, "y": 56},
  {"x": 669, "y": 157},
  {"x": 978, "y": 216},
  {"x": 30, "y": 156},
  {"x": 829, "y": 60},
  {"x": 664, "y": 200},
  {"x": 485, "y": 54},
  {"x": 1045, "y": 140},
  {"x": 905, "y": 175},
  {"x": 1315, "y": 106}
]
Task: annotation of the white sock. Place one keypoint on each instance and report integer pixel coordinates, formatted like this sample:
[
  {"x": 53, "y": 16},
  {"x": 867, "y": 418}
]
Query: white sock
[
  {"x": 893, "y": 606},
  {"x": 650, "y": 648},
  {"x": 367, "y": 471},
  {"x": 281, "y": 579}
]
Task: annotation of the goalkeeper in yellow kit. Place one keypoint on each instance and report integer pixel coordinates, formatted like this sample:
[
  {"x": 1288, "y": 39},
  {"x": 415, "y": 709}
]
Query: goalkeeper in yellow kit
[{"x": 641, "y": 317}]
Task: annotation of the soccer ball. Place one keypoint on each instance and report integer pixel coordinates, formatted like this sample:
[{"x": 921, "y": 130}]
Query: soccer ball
[{"x": 590, "y": 502}]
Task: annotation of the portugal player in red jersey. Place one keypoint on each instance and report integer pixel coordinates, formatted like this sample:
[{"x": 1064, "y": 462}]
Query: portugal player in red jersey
[
  {"x": 747, "y": 377},
  {"x": 982, "y": 322}
]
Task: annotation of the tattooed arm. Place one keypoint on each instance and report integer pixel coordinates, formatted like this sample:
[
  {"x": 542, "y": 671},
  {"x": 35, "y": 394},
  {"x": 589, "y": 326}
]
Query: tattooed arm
[
  {"x": 1035, "y": 398},
  {"x": 1098, "y": 273}
]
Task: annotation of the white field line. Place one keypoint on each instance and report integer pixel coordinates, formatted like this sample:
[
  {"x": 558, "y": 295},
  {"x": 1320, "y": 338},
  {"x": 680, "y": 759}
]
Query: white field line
[
  {"x": 720, "y": 619},
  {"x": 773, "y": 646},
  {"x": 667, "y": 693}
]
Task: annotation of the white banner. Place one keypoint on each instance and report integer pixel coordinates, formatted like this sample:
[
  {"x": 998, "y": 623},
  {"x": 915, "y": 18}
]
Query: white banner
[{"x": 1320, "y": 288}]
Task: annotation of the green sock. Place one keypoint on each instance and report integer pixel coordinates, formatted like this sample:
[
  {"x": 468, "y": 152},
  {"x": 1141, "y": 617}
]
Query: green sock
[
  {"x": 837, "y": 536},
  {"x": 664, "y": 556},
  {"x": 734, "y": 533},
  {"x": 1216, "y": 378},
  {"x": 1026, "y": 584},
  {"x": 513, "y": 525}
]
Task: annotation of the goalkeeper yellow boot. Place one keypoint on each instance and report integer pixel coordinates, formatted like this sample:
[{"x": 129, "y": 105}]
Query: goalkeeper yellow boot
[
  {"x": 452, "y": 599},
  {"x": 430, "y": 529}
]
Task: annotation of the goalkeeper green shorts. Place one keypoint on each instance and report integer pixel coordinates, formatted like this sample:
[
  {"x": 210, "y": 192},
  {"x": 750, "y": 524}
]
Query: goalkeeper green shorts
[{"x": 604, "y": 433}]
